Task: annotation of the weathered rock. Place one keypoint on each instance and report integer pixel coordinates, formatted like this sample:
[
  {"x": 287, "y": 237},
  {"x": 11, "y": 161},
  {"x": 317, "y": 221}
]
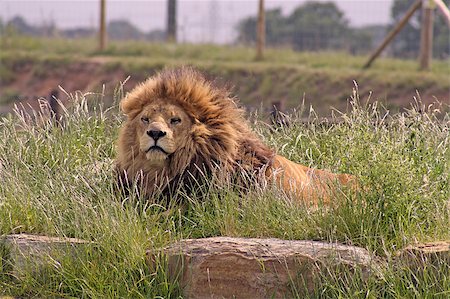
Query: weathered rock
[
  {"x": 420, "y": 255},
  {"x": 22, "y": 253},
  {"x": 223, "y": 267}
]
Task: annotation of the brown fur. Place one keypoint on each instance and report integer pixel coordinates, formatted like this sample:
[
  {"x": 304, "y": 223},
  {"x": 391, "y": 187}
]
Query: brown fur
[{"x": 213, "y": 134}]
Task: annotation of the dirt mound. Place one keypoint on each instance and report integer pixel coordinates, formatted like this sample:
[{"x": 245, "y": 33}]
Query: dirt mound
[{"x": 257, "y": 86}]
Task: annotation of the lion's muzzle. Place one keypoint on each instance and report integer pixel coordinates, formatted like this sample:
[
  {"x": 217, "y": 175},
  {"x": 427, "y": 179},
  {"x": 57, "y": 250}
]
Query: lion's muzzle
[
  {"x": 156, "y": 134},
  {"x": 157, "y": 142}
]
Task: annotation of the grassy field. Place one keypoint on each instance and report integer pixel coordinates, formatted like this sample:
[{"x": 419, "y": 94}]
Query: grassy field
[
  {"x": 323, "y": 79},
  {"x": 79, "y": 48},
  {"x": 59, "y": 182}
]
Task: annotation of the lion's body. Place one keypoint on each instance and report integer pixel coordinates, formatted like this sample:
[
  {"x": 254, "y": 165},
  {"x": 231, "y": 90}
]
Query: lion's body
[
  {"x": 306, "y": 183},
  {"x": 180, "y": 126}
]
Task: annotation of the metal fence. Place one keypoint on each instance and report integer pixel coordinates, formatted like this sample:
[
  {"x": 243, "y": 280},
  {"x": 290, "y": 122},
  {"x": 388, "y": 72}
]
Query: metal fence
[{"x": 359, "y": 29}]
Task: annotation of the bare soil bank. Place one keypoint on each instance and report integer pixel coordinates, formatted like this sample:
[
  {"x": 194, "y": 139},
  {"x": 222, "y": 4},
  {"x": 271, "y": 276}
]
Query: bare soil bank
[{"x": 256, "y": 86}]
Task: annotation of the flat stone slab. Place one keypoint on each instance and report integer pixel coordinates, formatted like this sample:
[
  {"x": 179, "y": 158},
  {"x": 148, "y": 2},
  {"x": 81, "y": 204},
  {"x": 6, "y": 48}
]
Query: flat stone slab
[
  {"x": 432, "y": 253},
  {"x": 223, "y": 267},
  {"x": 25, "y": 252}
]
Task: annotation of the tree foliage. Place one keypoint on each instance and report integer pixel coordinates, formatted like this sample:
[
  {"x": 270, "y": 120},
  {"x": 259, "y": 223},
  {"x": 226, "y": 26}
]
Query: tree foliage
[
  {"x": 315, "y": 26},
  {"x": 311, "y": 26}
]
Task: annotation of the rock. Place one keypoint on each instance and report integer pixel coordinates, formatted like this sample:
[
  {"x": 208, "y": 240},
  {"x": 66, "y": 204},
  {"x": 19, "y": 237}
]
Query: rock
[
  {"x": 223, "y": 267},
  {"x": 421, "y": 255},
  {"x": 22, "y": 253}
]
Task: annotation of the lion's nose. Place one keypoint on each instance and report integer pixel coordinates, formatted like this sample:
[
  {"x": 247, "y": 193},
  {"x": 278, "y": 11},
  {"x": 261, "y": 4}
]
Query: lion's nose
[{"x": 155, "y": 134}]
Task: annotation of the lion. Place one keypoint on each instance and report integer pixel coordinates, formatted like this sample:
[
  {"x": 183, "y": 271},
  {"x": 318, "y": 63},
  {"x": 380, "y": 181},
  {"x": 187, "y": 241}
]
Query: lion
[{"x": 180, "y": 126}]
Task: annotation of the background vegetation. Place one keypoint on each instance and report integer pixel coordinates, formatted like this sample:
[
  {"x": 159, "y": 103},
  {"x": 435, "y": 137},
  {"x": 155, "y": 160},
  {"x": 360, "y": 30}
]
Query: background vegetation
[
  {"x": 312, "y": 26},
  {"x": 319, "y": 26},
  {"x": 32, "y": 67}
]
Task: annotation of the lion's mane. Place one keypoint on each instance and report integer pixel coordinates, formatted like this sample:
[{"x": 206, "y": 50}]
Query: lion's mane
[{"x": 220, "y": 138}]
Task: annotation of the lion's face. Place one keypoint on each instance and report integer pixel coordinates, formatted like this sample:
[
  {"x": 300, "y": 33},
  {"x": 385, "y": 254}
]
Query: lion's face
[
  {"x": 162, "y": 129},
  {"x": 179, "y": 127}
]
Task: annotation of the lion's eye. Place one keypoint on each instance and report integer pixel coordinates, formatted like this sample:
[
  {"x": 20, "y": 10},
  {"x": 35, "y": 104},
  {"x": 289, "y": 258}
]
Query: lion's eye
[
  {"x": 145, "y": 120},
  {"x": 175, "y": 120}
]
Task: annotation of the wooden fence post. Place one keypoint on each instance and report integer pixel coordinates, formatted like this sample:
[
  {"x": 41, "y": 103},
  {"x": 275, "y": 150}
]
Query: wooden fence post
[
  {"x": 426, "y": 35},
  {"x": 394, "y": 32},
  {"x": 102, "y": 32},
  {"x": 444, "y": 10},
  {"x": 261, "y": 32},
  {"x": 172, "y": 21}
]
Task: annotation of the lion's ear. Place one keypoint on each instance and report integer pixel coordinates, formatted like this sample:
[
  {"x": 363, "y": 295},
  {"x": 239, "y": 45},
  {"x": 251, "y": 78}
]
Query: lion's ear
[
  {"x": 130, "y": 106},
  {"x": 140, "y": 96},
  {"x": 127, "y": 104}
]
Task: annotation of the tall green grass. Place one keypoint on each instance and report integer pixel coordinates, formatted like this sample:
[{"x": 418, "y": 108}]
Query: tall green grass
[{"x": 58, "y": 180}]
